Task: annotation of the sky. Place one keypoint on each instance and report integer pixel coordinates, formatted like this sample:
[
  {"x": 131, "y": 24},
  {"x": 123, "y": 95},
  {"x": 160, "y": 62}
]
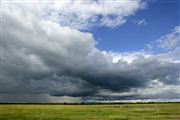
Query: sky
[
  {"x": 90, "y": 50},
  {"x": 147, "y": 25}
]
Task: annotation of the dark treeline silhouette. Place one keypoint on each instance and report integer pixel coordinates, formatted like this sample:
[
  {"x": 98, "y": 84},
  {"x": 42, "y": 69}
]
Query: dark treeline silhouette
[{"x": 84, "y": 103}]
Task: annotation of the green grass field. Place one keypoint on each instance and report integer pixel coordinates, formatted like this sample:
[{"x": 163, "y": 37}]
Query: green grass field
[{"x": 155, "y": 111}]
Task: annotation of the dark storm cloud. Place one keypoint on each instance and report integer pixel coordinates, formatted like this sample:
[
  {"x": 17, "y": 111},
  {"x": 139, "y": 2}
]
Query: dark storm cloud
[{"x": 41, "y": 57}]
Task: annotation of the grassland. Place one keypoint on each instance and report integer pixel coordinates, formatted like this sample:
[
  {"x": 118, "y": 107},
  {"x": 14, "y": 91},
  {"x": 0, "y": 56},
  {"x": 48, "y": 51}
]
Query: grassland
[{"x": 153, "y": 111}]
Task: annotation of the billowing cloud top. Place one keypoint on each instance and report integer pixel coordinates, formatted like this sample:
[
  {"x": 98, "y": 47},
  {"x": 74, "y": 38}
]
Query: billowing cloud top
[
  {"x": 82, "y": 14},
  {"x": 43, "y": 54}
]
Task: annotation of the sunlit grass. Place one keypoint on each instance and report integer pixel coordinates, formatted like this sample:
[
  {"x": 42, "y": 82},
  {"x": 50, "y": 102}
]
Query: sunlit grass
[{"x": 166, "y": 111}]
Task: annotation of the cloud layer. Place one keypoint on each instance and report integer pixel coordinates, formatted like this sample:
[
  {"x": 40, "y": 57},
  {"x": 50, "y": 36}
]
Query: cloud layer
[
  {"x": 40, "y": 56},
  {"x": 86, "y": 14}
]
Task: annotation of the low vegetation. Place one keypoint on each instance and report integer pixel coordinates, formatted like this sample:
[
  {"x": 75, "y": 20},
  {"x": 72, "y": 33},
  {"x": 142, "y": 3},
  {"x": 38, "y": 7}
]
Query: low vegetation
[{"x": 151, "y": 111}]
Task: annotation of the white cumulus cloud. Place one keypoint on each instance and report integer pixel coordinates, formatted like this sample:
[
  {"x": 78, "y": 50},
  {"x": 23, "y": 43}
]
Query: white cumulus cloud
[{"x": 80, "y": 14}]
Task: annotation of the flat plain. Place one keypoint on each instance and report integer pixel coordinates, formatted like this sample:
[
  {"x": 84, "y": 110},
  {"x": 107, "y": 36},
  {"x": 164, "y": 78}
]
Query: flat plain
[{"x": 150, "y": 111}]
